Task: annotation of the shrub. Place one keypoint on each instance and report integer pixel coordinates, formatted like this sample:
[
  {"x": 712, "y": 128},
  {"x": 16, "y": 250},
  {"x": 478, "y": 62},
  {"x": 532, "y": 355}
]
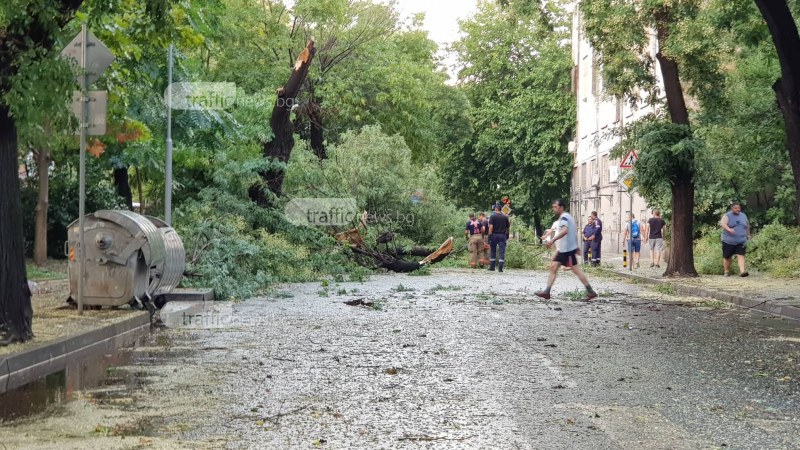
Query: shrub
[
  {"x": 776, "y": 250},
  {"x": 708, "y": 254}
]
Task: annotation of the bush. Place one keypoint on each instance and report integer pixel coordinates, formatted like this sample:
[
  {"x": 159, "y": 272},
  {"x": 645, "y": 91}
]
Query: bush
[
  {"x": 708, "y": 253},
  {"x": 521, "y": 255},
  {"x": 776, "y": 250}
]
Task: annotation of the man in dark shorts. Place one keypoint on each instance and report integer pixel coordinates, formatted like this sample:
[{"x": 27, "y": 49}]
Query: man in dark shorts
[
  {"x": 567, "y": 245},
  {"x": 654, "y": 234},
  {"x": 499, "y": 228},
  {"x": 735, "y": 234}
]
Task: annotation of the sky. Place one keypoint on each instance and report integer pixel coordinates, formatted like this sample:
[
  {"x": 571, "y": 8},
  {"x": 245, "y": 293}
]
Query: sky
[{"x": 441, "y": 19}]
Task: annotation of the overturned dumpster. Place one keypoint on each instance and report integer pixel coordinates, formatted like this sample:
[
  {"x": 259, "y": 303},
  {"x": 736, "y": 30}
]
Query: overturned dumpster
[{"x": 130, "y": 259}]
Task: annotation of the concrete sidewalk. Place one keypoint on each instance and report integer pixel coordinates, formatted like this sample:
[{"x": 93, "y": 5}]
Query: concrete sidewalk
[{"x": 758, "y": 292}]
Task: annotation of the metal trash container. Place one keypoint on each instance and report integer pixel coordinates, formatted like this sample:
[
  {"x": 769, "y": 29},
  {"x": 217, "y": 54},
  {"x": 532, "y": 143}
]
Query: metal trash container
[{"x": 130, "y": 259}]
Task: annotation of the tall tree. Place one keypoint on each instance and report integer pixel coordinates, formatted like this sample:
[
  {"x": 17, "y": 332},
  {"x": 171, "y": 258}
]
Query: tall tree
[
  {"x": 28, "y": 30},
  {"x": 620, "y": 33},
  {"x": 515, "y": 72},
  {"x": 784, "y": 33},
  {"x": 279, "y": 148}
]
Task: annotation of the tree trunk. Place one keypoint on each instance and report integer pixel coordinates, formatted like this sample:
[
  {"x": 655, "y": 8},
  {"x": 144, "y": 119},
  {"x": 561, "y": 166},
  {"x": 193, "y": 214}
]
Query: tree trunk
[
  {"x": 317, "y": 131},
  {"x": 279, "y": 149},
  {"x": 123, "y": 185},
  {"x": 142, "y": 205},
  {"x": 16, "y": 313},
  {"x": 681, "y": 261},
  {"x": 42, "y": 206},
  {"x": 787, "y": 89}
]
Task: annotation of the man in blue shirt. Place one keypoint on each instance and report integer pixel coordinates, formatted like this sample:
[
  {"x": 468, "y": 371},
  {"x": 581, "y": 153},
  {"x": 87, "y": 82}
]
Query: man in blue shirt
[{"x": 735, "y": 234}]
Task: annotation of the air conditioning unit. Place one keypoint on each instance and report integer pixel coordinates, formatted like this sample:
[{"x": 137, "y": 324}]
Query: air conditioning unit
[
  {"x": 596, "y": 179},
  {"x": 613, "y": 173},
  {"x": 572, "y": 147}
]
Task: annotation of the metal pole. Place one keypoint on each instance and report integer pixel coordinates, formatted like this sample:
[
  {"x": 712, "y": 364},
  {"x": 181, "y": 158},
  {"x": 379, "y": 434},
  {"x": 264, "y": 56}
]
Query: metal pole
[
  {"x": 82, "y": 177},
  {"x": 168, "y": 188},
  {"x": 630, "y": 241}
]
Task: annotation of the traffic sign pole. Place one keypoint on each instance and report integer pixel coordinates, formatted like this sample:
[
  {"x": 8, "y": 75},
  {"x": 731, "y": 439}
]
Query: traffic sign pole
[
  {"x": 92, "y": 63},
  {"x": 168, "y": 187},
  {"x": 82, "y": 170}
]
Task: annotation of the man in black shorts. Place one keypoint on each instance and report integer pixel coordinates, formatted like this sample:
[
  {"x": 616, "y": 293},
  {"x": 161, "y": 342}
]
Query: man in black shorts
[{"x": 566, "y": 240}]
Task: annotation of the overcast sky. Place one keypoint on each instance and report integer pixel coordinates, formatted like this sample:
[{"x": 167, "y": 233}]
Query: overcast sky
[{"x": 441, "y": 18}]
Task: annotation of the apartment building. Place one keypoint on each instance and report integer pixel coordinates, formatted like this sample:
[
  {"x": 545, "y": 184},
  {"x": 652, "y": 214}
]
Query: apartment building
[{"x": 595, "y": 175}]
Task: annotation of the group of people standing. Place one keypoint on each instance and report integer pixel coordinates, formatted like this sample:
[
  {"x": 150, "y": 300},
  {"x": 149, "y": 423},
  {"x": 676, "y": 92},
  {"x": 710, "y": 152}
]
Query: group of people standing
[
  {"x": 652, "y": 232},
  {"x": 488, "y": 234}
]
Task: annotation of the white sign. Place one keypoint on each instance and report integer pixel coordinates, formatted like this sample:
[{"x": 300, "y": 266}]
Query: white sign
[
  {"x": 98, "y": 106},
  {"x": 98, "y": 57}
]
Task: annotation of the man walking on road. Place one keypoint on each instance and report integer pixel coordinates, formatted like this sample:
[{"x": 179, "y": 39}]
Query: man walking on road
[
  {"x": 566, "y": 241},
  {"x": 633, "y": 229},
  {"x": 735, "y": 234},
  {"x": 474, "y": 234},
  {"x": 499, "y": 228},
  {"x": 654, "y": 234}
]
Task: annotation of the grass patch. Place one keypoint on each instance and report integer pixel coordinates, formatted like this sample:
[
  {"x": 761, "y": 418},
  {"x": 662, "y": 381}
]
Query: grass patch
[
  {"x": 341, "y": 292},
  {"x": 576, "y": 295},
  {"x": 440, "y": 287},
  {"x": 42, "y": 273},
  {"x": 283, "y": 294},
  {"x": 323, "y": 292},
  {"x": 401, "y": 288},
  {"x": 421, "y": 272},
  {"x": 665, "y": 288}
]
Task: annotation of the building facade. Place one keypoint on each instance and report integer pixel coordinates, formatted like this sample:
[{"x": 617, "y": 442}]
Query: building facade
[{"x": 595, "y": 175}]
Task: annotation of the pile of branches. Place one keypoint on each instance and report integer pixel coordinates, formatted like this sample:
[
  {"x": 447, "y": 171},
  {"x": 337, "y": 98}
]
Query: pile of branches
[{"x": 391, "y": 260}]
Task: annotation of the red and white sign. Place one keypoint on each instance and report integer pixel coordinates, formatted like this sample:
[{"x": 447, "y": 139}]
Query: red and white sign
[{"x": 629, "y": 160}]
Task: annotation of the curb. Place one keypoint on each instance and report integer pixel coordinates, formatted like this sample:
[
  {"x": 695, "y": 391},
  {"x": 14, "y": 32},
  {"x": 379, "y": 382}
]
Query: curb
[
  {"x": 21, "y": 368},
  {"x": 790, "y": 313}
]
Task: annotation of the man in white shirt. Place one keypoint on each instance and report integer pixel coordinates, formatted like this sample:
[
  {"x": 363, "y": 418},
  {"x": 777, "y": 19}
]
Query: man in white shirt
[{"x": 566, "y": 240}]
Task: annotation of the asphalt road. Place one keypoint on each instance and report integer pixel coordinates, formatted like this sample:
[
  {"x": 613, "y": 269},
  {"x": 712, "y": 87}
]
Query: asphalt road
[
  {"x": 466, "y": 359},
  {"x": 460, "y": 359}
]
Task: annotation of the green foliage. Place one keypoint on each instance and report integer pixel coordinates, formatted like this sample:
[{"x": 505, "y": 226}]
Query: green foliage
[
  {"x": 524, "y": 256},
  {"x": 63, "y": 198},
  {"x": 708, "y": 254},
  {"x": 377, "y": 171},
  {"x": 515, "y": 72},
  {"x": 776, "y": 250}
]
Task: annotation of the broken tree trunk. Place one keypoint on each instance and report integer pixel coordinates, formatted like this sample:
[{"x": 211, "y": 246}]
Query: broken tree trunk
[{"x": 279, "y": 149}]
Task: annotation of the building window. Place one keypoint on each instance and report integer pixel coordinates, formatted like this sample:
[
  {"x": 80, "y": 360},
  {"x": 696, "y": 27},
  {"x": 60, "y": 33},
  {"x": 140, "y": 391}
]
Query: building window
[
  {"x": 584, "y": 176},
  {"x": 604, "y": 170}
]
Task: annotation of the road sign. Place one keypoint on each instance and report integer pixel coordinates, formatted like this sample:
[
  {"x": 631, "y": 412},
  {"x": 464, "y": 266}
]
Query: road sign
[
  {"x": 628, "y": 182},
  {"x": 93, "y": 58},
  {"x": 629, "y": 160},
  {"x": 98, "y": 106},
  {"x": 506, "y": 209},
  {"x": 98, "y": 57}
]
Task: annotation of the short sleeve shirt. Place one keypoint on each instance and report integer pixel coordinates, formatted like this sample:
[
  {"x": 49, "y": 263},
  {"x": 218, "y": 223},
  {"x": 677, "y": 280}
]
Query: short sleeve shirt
[
  {"x": 500, "y": 223},
  {"x": 569, "y": 242},
  {"x": 656, "y": 227}
]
